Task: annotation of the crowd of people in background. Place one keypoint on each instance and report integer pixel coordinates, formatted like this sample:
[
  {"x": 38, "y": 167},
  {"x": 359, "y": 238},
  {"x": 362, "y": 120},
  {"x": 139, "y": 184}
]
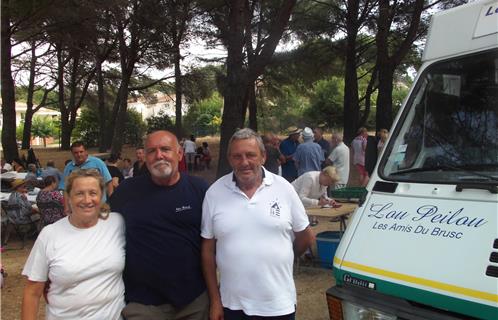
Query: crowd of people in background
[{"x": 206, "y": 228}]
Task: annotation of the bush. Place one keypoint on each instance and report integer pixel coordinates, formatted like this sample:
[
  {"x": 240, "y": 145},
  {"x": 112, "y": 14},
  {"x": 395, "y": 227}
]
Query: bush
[
  {"x": 159, "y": 122},
  {"x": 87, "y": 128}
]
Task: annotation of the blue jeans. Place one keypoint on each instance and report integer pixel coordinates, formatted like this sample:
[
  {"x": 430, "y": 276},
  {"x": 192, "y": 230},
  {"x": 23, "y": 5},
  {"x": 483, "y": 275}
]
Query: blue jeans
[{"x": 240, "y": 315}]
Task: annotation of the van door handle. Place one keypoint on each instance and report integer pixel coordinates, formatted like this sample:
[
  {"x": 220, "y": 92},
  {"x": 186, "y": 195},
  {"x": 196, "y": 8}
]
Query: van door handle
[{"x": 491, "y": 188}]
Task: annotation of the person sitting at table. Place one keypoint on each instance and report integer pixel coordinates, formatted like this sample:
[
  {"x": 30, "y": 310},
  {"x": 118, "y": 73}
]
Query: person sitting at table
[
  {"x": 17, "y": 166},
  {"x": 5, "y": 166},
  {"x": 24, "y": 212},
  {"x": 312, "y": 186},
  {"x": 31, "y": 175},
  {"x": 50, "y": 201},
  {"x": 82, "y": 256}
]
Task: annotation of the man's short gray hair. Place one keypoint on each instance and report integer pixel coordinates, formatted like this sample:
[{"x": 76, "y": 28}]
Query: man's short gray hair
[
  {"x": 246, "y": 133},
  {"x": 337, "y": 136}
]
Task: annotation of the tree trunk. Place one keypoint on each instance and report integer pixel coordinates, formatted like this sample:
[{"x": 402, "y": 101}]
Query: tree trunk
[
  {"x": 384, "y": 114},
  {"x": 117, "y": 139},
  {"x": 387, "y": 63},
  {"x": 351, "y": 100},
  {"x": 109, "y": 135},
  {"x": 253, "y": 107},
  {"x": 236, "y": 82},
  {"x": 28, "y": 118},
  {"x": 26, "y": 133},
  {"x": 120, "y": 108},
  {"x": 178, "y": 91},
  {"x": 65, "y": 133},
  {"x": 128, "y": 56},
  {"x": 9, "y": 142},
  {"x": 231, "y": 121},
  {"x": 101, "y": 105},
  {"x": 238, "y": 78},
  {"x": 368, "y": 96}
]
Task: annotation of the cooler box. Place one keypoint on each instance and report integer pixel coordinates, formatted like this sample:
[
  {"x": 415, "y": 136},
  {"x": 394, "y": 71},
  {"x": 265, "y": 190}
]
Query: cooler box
[{"x": 327, "y": 243}]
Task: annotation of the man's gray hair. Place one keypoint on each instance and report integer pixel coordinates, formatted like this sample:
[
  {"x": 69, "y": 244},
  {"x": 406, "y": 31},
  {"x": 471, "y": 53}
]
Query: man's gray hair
[
  {"x": 246, "y": 133},
  {"x": 338, "y": 136}
]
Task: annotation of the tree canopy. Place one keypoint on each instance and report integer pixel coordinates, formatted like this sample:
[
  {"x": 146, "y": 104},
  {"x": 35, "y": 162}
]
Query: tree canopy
[{"x": 347, "y": 65}]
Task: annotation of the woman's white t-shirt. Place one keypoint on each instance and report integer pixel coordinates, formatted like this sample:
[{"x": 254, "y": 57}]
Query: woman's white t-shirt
[{"x": 84, "y": 267}]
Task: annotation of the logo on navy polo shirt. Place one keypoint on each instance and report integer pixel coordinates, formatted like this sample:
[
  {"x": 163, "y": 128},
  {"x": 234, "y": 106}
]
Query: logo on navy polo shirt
[
  {"x": 275, "y": 209},
  {"x": 182, "y": 208}
]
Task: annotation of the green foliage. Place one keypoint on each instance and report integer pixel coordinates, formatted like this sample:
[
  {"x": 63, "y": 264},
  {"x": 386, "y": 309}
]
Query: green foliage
[
  {"x": 399, "y": 94},
  {"x": 282, "y": 109},
  {"x": 201, "y": 83},
  {"x": 326, "y": 104},
  {"x": 19, "y": 131},
  {"x": 135, "y": 128},
  {"x": 42, "y": 127},
  {"x": 204, "y": 116},
  {"x": 87, "y": 128},
  {"x": 303, "y": 66},
  {"x": 161, "y": 121},
  {"x": 22, "y": 95}
]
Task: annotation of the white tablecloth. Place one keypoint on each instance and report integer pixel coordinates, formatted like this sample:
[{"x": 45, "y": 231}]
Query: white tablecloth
[{"x": 4, "y": 196}]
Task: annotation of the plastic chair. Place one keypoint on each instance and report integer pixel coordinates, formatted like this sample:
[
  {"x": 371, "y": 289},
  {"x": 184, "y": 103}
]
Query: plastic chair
[{"x": 22, "y": 227}]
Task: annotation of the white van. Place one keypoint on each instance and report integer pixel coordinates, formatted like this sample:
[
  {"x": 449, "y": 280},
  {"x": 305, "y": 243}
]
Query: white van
[{"x": 424, "y": 242}]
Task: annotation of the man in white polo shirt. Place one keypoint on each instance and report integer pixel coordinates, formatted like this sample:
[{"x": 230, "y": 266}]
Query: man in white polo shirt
[{"x": 253, "y": 224}]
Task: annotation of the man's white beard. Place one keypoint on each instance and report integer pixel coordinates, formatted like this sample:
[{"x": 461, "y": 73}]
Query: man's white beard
[{"x": 161, "y": 169}]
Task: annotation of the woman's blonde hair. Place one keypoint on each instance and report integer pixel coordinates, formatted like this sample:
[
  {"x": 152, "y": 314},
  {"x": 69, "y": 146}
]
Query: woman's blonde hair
[
  {"x": 331, "y": 172},
  {"x": 88, "y": 173}
]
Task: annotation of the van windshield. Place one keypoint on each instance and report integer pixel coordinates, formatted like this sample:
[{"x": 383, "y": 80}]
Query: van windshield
[{"x": 448, "y": 132}]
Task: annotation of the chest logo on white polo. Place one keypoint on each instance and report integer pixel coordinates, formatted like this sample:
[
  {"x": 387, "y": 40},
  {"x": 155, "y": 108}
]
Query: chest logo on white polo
[
  {"x": 182, "y": 208},
  {"x": 275, "y": 209}
]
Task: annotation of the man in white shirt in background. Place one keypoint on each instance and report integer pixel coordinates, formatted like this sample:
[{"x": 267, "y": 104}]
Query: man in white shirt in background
[
  {"x": 189, "y": 147},
  {"x": 339, "y": 158}
]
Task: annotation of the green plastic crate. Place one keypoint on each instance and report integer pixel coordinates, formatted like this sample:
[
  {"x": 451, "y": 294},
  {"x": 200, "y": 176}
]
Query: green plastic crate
[{"x": 349, "y": 193}]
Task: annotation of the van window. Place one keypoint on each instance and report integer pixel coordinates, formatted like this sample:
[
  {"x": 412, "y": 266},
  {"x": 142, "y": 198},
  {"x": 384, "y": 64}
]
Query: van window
[{"x": 449, "y": 129}]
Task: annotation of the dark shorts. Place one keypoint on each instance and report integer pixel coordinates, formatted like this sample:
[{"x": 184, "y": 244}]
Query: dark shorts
[{"x": 240, "y": 315}]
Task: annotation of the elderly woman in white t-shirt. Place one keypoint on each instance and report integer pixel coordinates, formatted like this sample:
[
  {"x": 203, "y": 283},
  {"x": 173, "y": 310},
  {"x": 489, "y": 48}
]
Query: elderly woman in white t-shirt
[
  {"x": 312, "y": 186},
  {"x": 81, "y": 258}
]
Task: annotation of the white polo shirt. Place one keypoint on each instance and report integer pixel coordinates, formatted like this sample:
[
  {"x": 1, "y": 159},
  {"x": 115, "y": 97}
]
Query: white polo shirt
[
  {"x": 254, "y": 247},
  {"x": 340, "y": 159}
]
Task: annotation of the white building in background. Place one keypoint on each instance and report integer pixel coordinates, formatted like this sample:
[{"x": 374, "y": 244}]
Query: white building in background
[
  {"x": 21, "y": 108},
  {"x": 152, "y": 105}
]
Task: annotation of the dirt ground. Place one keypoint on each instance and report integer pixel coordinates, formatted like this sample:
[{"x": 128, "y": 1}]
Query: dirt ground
[{"x": 311, "y": 280}]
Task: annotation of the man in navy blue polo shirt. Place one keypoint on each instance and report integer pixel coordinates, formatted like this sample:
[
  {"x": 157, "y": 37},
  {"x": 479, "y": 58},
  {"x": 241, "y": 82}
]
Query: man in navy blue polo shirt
[{"x": 162, "y": 213}]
